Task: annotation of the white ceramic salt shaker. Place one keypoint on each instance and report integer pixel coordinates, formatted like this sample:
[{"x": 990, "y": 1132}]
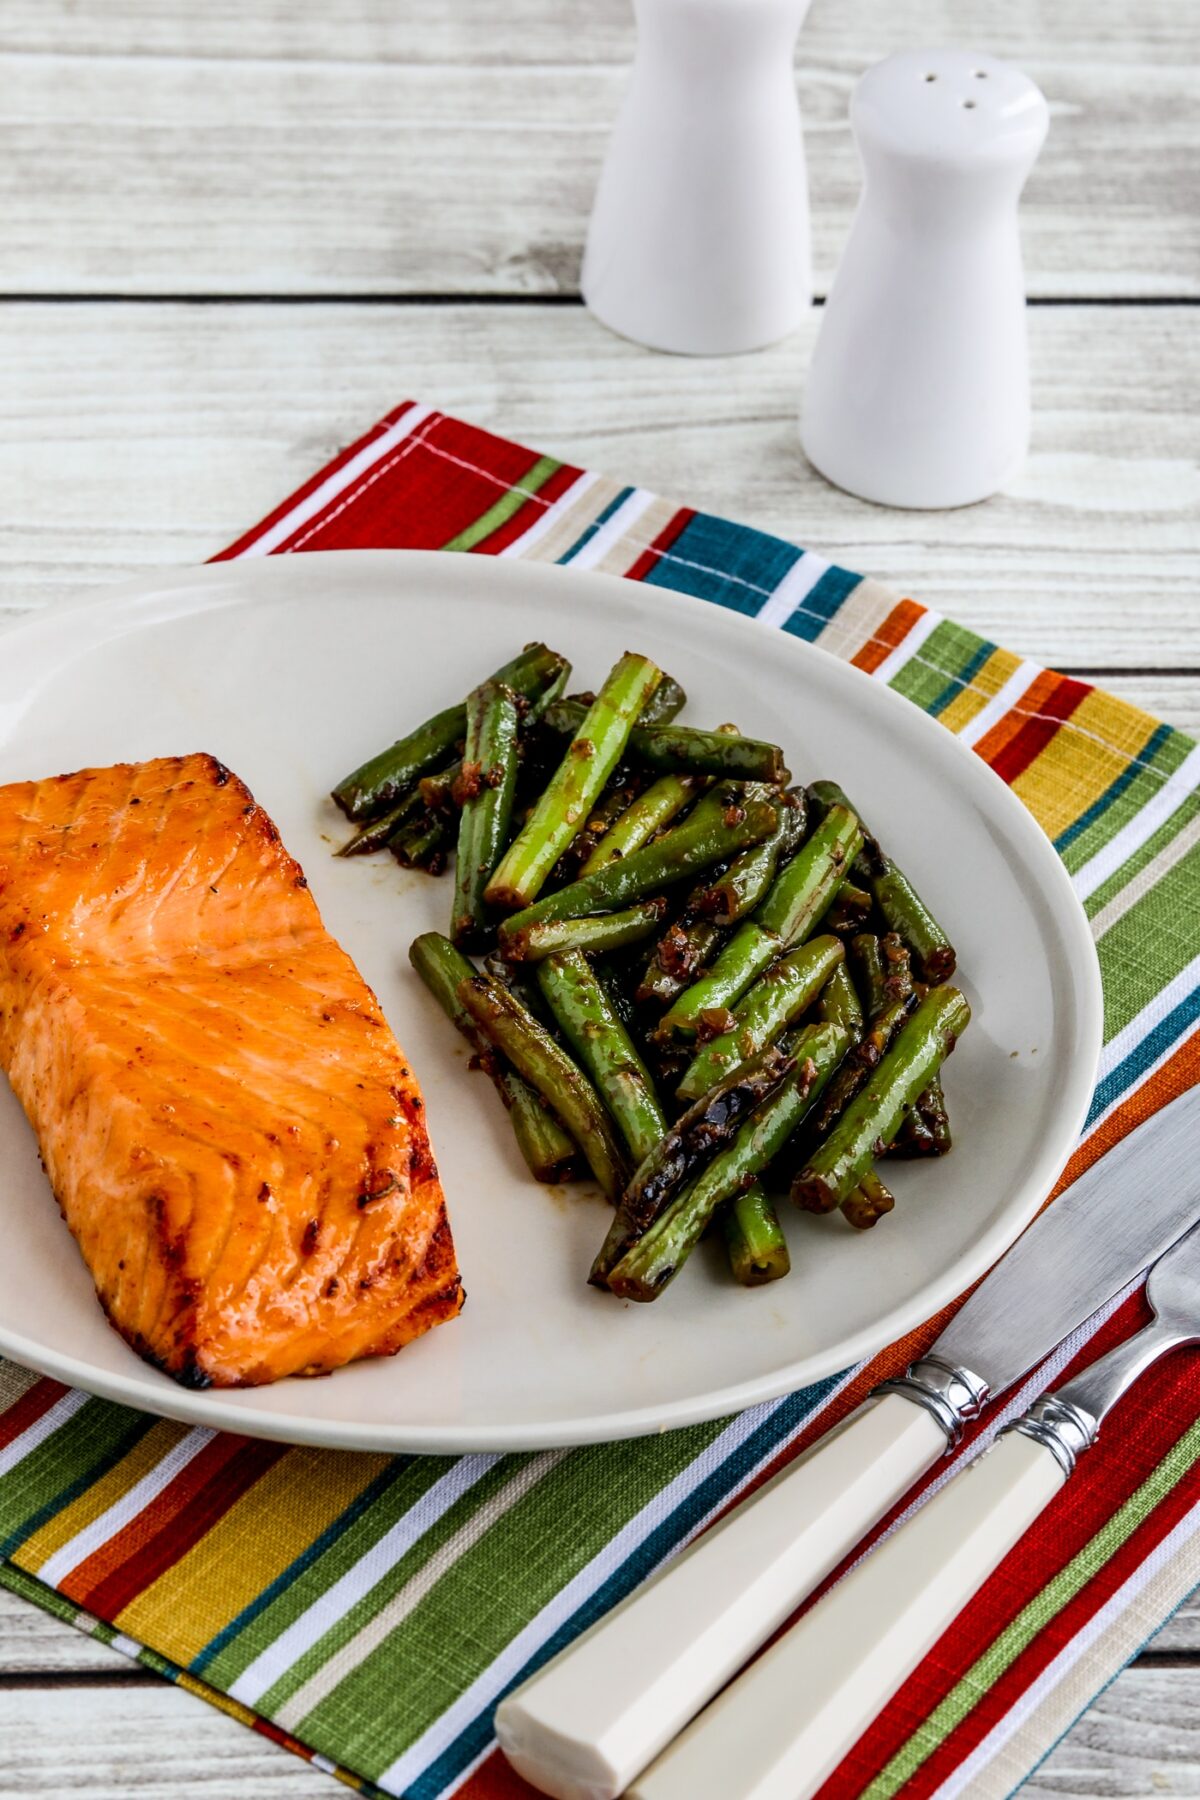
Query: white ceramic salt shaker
[
  {"x": 699, "y": 238},
  {"x": 918, "y": 393}
]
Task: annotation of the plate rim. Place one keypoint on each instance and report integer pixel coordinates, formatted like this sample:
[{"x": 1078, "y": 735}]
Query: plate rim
[{"x": 218, "y": 1408}]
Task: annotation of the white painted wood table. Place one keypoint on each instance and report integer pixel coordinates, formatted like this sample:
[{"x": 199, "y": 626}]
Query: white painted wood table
[{"x": 234, "y": 234}]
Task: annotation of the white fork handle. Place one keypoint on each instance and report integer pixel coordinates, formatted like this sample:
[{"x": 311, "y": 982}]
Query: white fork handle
[
  {"x": 780, "y": 1731},
  {"x": 584, "y": 1726}
]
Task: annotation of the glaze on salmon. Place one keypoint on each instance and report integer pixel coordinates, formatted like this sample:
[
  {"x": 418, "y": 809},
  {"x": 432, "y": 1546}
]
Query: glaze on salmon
[{"x": 233, "y": 1134}]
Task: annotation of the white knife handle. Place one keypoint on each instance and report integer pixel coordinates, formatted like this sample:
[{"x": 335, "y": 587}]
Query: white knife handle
[
  {"x": 586, "y": 1724},
  {"x": 778, "y": 1732}
]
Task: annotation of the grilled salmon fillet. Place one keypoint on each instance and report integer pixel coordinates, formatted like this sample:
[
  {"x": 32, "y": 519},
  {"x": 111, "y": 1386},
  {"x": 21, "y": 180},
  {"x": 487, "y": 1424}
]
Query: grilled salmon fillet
[{"x": 231, "y": 1131}]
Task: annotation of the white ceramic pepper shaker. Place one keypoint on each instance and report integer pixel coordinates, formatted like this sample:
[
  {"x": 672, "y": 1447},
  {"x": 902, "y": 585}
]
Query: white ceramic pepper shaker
[
  {"x": 918, "y": 393},
  {"x": 699, "y": 237}
]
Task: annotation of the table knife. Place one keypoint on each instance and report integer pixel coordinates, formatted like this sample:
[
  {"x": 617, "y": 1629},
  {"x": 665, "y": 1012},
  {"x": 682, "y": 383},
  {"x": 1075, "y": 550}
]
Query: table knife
[
  {"x": 591, "y": 1720},
  {"x": 781, "y": 1730}
]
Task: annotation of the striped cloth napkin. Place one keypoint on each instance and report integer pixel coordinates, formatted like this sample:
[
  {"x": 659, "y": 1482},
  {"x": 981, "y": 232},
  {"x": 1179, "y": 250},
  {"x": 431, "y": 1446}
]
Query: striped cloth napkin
[{"x": 370, "y": 1611}]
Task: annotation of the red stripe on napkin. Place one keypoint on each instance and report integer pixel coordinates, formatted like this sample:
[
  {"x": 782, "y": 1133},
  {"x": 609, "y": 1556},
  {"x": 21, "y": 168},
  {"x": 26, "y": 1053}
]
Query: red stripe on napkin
[
  {"x": 251, "y": 537},
  {"x": 157, "y": 1538},
  {"x": 34, "y": 1403},
  {"x": 1037, "y": 732},
  {"x": 670, "y": 533}
]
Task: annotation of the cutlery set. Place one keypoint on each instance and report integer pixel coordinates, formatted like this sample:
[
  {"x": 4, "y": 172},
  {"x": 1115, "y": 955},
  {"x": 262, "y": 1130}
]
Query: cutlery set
[{"x": 591, "y": 1724}]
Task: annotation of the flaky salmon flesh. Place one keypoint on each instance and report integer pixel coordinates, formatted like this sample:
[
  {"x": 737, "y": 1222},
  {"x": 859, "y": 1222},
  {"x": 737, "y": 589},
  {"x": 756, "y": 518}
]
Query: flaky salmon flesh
[{"x": 232, "y": 1133}]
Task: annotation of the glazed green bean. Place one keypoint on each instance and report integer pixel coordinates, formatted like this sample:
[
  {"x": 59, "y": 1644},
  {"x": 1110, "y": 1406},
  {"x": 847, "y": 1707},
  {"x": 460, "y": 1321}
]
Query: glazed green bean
[
  {"x": 894, "y": 894},
  {"x": 754, "y": 1240},
  {"x": 489, "y": 778},
  {"x": 379, "y": 782},
  {"x": 866, "y": 961},
  {"x": 868, "y": 1202},
  {"x": 590, "y": 1024},
  {"x": 647, "y": 813},
  {"x": 651, "y": 1263},
  {"x": 512, "y": 1028},
  {"x": 836, "y": 1166},
  {"x": 548, "y": 1148},
  {"x": 798, "y": 896},
  {"x": 787, "y": 989},
  {"x": 422, "y": 844},
  {"x": 377, "y": 832},
  {"x": 717, "y": 826},
  {"x": 595, "y": 933},
  {"x": 575, "y": 785},
  {"x": 691, "y": 1141},
  {"x": 839, "y": 1003},
  {"x": 749, "y": 876},
  {"x": 677, "y": 959},
  {"x": 680, "y": 749}
]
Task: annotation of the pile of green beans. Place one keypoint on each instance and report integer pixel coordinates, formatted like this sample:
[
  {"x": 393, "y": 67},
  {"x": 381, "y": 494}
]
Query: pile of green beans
[{"x": 701, "y": 987}]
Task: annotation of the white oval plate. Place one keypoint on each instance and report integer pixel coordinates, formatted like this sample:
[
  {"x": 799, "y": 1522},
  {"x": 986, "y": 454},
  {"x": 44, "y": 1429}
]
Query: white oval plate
[{"x": 293, "y": 669}]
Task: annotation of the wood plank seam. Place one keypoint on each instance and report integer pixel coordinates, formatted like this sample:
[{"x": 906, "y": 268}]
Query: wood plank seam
[{"x": 101, "y": 297}]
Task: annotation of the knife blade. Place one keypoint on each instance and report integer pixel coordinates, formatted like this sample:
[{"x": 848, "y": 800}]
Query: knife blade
[
  {"x": 584, "y": 1726},
  {"x": 1113, "y": 1222}
]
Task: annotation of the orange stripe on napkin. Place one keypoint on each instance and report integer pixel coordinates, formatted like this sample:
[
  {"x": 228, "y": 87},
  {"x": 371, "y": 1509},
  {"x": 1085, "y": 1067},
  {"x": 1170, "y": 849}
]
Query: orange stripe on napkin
[{"x": 893, "y": 631}]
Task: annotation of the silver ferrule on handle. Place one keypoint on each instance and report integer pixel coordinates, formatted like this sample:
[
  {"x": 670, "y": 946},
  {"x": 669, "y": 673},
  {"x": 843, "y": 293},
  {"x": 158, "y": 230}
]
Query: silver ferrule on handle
[
  {"x": 1065, "y": 1430},
  {"x": 1068, "y": 1421},
  {"x": 952, "y": 1396}
]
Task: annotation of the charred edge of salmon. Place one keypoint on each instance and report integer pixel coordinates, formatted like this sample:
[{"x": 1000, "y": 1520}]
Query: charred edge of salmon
[
  {"x": 447, "y": 1303},
  {"x": 221, "y": 776},
  {"x": 261, "y": 821},
  {"x": 217, "y": 775},
  {"x": 422, "y": 1165},
  {"x": 439, "y": 1253},
  {"x": 187, "y": 1372},
  {"x": 182, "y": 1362},
  {"x": 438, "y": 1262},
  {"x": 439, "y": 1268},
  {"x": 435, "y": 1309}
]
